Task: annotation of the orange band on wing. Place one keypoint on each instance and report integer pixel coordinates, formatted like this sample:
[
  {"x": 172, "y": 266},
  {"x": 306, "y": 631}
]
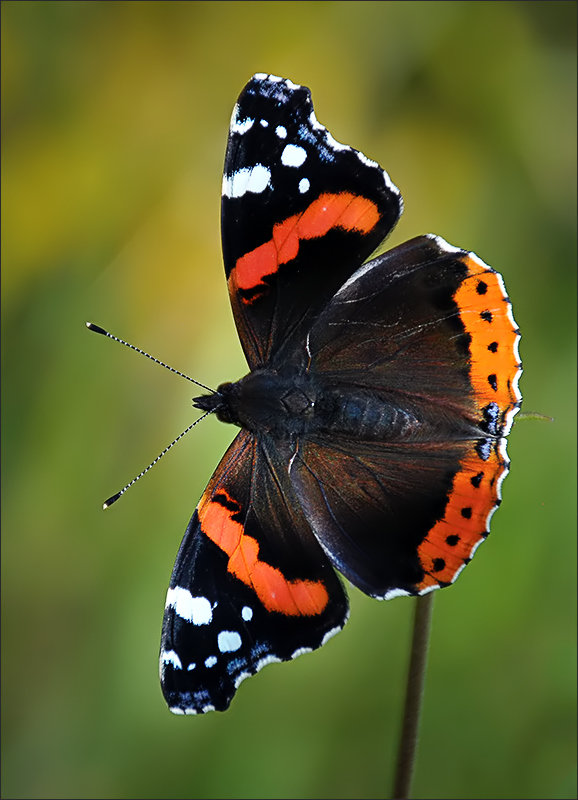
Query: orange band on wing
[
  {"x": 347, "y": 211},
  {"x": 294, "y": 598},
  {"x": 484, "y": 311},
  {"x": 451, "y": 542}
]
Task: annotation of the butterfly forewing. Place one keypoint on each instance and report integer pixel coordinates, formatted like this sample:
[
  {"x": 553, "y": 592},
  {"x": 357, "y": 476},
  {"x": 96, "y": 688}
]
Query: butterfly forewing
[
  {"x": 300, "y": 213},
  {"x": 250, "y": 584}
]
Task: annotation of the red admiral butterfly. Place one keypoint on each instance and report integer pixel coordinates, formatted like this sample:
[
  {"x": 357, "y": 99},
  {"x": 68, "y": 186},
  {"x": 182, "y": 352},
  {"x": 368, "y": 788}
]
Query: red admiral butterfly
[{"x": 373, "y": 420}]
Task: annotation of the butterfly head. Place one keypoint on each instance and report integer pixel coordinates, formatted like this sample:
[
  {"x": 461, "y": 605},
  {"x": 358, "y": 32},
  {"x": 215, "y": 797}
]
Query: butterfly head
[{"x": 213, "y": 402}]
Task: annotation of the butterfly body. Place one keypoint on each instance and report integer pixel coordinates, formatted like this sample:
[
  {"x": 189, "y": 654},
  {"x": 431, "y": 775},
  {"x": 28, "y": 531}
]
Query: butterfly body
[
  {"x": 373, "y": 420},
  {"x": 288, "y": 406}
]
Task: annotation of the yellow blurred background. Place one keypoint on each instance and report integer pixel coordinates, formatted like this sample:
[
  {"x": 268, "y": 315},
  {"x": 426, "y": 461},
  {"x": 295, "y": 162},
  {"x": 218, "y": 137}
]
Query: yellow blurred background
[{"x": 114, "y": 125}]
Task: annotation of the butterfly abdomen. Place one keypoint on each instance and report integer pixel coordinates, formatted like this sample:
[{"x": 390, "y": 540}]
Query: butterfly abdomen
[{"x": 355, "y": 413}]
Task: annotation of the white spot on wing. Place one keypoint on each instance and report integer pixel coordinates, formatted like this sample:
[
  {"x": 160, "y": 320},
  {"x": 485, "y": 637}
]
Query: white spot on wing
[
  {"x": 170, "y": 657},
  {"x": 281, "y": 131},
  {"x": 228, "y": 641},
  {"x": 304, "y": 185},
  {"x": 193, "y": 609},
  {"x": 240, "y": 126},
  {"x": 247, "y": 613},
  {"x": 210, "y": 661},
  {"x": 293, "y": 155},
  {"x": 248, "y": 179}
]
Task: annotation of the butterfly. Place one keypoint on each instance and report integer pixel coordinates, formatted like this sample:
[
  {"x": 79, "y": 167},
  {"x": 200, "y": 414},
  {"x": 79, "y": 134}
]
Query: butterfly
[{"x": 373, "y": 420}]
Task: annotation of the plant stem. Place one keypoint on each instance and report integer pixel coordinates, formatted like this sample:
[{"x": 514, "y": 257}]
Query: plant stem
[{"x": 413, "y": 697}]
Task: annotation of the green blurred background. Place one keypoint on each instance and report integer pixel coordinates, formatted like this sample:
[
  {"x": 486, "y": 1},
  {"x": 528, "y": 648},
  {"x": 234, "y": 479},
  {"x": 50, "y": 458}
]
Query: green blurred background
[{"x": 114, "y": 124}]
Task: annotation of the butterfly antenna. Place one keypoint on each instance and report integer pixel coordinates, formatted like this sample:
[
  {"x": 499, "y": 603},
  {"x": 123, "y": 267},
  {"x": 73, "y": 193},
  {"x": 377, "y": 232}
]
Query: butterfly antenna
[
  {"x": 97, "y": 329},
  {"x": 115, "y": 497}
]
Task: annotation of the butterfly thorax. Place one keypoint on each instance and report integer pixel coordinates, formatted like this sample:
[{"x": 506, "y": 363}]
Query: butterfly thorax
[
  {"x": 265, "y": 401},
  {"x": 293, "y": 404}
]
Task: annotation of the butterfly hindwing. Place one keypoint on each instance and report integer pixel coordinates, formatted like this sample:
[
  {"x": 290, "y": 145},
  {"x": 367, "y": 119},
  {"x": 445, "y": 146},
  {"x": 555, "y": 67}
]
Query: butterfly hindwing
[
  {"x": 250, "y": 585},
  {"x": 425, "y": 335},
  {"x": 300, "y": 213}
]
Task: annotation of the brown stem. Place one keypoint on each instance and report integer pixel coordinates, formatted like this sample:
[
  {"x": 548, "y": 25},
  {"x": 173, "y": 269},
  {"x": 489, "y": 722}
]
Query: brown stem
[{"x": 413, "y": 697}]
